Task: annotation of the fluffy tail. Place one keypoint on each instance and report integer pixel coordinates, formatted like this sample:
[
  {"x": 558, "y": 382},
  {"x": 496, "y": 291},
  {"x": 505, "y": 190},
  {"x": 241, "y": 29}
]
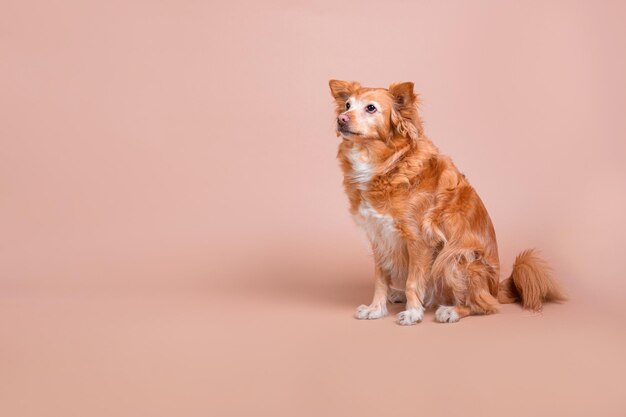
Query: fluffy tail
[{"x": 530, "y": 282}]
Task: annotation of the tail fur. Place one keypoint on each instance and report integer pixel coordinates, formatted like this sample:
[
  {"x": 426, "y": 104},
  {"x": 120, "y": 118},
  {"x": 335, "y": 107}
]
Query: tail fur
[{"x": 530, "y": 282}]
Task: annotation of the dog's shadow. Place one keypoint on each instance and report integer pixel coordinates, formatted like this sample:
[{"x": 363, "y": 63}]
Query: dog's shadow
[{"x": 307, "y": 283}]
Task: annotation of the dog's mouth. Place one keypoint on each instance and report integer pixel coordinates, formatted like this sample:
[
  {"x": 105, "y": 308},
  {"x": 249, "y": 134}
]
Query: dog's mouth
[{"x": 346, "y": 131}]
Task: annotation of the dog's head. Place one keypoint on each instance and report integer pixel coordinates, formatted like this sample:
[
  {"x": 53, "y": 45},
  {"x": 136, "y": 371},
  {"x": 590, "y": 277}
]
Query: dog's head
[{"x": 376, "y": 113}]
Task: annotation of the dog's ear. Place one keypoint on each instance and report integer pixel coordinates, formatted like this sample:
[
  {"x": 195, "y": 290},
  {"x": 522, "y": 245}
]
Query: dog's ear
[
  {"x": 404, "y": 113},
  {"x": 403, "y": 94},
  {"x": 342, "y": 90}
]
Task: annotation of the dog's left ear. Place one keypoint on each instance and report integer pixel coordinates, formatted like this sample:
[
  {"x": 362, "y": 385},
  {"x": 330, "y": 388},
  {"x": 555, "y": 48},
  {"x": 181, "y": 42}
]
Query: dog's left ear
[
  {"x": 403, "y": 94},
  {"x": 404, "y": 113}
]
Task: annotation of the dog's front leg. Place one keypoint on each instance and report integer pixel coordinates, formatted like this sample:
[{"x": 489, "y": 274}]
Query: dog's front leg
[
  {"x": 378, "y": 308},
  {"x": 419, "y": 259}
]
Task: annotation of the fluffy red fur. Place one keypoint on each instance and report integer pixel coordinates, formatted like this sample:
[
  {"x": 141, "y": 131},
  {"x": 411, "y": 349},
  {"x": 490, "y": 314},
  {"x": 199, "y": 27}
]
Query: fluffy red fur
[{"x": 432, "y": 238}]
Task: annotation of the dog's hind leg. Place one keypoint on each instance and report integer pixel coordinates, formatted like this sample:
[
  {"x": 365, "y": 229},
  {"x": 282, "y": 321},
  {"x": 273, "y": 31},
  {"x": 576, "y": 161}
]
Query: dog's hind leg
[
  {"x": 472, "y": 283},
  {"x": 396, "y": 296},
  {"x": 451, "y": 314}
]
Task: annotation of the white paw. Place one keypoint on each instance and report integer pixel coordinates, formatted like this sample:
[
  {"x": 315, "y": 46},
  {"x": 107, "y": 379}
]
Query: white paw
[
  {"x": 446, "y": 314},
  {"x": 411, "y": 316},
  {"x": 397, "y": 297},
  {"x": 375, "y": 311}
]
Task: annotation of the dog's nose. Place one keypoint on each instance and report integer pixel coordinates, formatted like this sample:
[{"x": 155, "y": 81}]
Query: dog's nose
[{"x": 343, "y": 119}]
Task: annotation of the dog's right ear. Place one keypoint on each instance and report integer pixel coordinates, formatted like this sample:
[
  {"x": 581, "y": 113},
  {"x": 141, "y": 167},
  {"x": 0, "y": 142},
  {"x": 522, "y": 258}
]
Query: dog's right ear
[{"x": 342, "y": 90}]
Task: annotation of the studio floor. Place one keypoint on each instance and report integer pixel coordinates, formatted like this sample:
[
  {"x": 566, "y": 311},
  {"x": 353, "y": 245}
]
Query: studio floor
[{"x": 297, "y": 351}]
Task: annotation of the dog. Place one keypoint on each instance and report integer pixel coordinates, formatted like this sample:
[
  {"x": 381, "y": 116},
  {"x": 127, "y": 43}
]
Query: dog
[{"x": 432, "y": 240}]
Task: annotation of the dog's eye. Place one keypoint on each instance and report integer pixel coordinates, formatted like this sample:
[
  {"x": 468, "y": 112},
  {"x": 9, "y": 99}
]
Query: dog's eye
[
  {"x": 348, "y": 106},
  {"x": 370, "y": 108}
]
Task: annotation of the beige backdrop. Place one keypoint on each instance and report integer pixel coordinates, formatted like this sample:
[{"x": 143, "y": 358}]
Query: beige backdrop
[{"x": 174, "y": 239}]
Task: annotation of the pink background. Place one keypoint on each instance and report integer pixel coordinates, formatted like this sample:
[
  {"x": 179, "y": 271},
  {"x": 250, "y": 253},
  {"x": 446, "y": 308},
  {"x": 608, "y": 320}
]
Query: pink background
[{"x": 175, "y": 239}]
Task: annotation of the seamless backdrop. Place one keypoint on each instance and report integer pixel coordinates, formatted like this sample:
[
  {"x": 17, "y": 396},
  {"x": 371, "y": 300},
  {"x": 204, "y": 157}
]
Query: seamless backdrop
[{"x": 174, "y": 238}]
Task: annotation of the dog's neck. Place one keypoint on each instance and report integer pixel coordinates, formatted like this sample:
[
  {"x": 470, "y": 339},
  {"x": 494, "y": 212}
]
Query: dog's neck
[{"x": 399, "y": 157}]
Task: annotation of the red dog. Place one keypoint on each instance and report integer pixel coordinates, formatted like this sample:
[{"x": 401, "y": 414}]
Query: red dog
[{"x": 432, "y": 239}]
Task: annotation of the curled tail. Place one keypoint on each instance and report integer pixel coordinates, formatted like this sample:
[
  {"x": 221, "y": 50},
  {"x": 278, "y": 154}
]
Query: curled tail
[{"x": 530, "y": 282}]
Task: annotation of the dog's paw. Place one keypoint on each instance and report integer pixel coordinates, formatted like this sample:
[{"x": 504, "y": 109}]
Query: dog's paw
[
  {"x": 397, "y": 297},
  {"x": 446, "y": 314},
  {"x": 411, "y": 316},
  {"x": 372, "y": 312}
]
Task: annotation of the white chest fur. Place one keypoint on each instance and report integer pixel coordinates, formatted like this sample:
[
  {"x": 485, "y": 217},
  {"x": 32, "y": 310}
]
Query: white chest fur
[
  {"x": 387, "y": 244},
  {"x": 362, "y": 169}
]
